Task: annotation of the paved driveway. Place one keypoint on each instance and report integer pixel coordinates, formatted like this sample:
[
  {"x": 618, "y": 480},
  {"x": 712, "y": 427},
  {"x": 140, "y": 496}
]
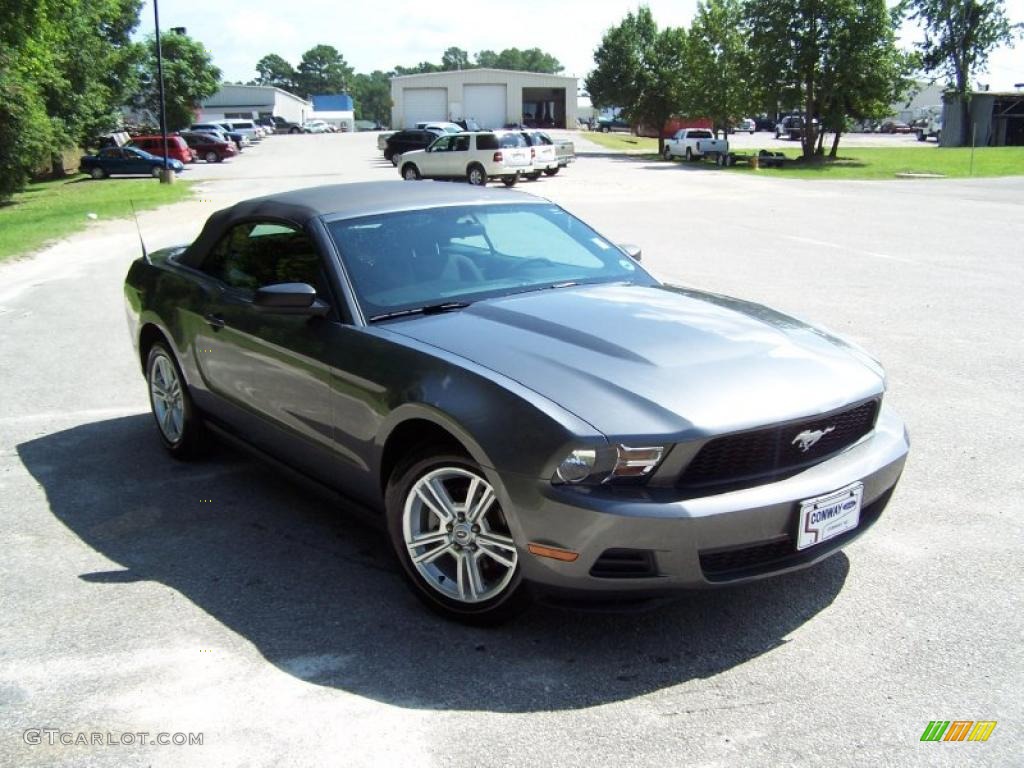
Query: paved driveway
[{"x": 141, "y": 595}]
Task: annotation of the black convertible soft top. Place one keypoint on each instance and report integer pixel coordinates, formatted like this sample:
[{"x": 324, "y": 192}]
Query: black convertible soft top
[{"x": 344, "y": 201}]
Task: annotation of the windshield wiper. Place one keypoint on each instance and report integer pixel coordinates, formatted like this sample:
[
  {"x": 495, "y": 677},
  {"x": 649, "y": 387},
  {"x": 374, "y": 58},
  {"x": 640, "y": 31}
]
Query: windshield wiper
[{"x": 429, "y": 309}]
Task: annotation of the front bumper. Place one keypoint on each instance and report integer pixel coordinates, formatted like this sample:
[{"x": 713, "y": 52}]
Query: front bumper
[{"x": 697, "y": 542}]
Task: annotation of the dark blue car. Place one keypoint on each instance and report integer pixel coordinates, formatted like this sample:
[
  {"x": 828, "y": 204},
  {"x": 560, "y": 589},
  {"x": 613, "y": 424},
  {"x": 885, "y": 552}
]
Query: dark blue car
[{"x": 125, "y": 161}]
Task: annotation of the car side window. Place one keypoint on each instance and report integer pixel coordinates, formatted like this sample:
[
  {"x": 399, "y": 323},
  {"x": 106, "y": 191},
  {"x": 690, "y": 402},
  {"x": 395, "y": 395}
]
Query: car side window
[
  {"x": 486, "y": 141},
  {"x": 460, "y": 144},
  {"x": 256, "y": 254},
  {"x": 443, "y": 144}
]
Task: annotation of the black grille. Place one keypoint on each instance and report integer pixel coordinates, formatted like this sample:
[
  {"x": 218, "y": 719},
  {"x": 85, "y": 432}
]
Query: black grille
[
  {"x": 765, "y": 455},
  {"x": 781, "y": 552},
  {"x": 624, "y": 564}
]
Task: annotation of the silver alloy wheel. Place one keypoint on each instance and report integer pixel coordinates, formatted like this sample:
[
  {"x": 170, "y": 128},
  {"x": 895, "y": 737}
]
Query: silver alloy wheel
[
  {"x": 410, "y": 173},
  {"x": 476, "y": 176},
  {"x": 168, "y": 398},
  {"x": 456, "y": 535}
]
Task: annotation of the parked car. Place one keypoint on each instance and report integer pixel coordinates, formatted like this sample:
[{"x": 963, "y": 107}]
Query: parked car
[
  {"x": 177, "y": 147},
  {"x": 475, "y": 157},
  {"x": 693, "y": 144},
  {"x": 543, "y": 158},
  {"x": 930, "y": 127},
  {"x": 609, "y": 124},
  {"x": 895, "y": 126},
  {"x": 441, "y": 125},
  {"x": 790, "y": 127},
  {"x": 223, "y": 133},
  {"x": 764, "y": 123},
  {"x": 746, "y": 125},
  {"x": 407, "y": 141},
  {"x": 127, "y": 161},
  {"x": 207, "y": 146},
  {"x": 528, "y": 410},
  {"x": 278, "y": 124},
  {"x": 565, "y": 150},
  {"x": 316, "y": 126},
  {"x": 246, "y": 128}
]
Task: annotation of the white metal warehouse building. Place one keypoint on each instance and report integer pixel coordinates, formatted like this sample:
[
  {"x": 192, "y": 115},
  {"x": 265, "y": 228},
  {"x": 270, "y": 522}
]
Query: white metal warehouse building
[
  {"x": 493, "y": 98},
  {"x": 248, "y": 102}
]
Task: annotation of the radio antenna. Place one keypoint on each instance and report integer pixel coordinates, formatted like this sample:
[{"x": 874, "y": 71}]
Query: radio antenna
[{"x": 139, "y": 229}]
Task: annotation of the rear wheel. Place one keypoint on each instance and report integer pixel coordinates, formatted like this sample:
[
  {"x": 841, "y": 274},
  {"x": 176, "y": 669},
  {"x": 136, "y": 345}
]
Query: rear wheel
[
  {"x": 155, "y": 172},
  {"x": 666, "y": 153},
  {"x": 212, "y": 157},
  {"x": 552, "y": 171},
  {"x": 476, "y": 175},
  {"x": 410, "y": 172},
  {"x": 98, "y": 173},
  {"x": 689, "y": 155},
  {"x": 295, "y": 130},
  {"x": 533, "y": 175},
  {"x": 452, "y": 538},
  {"x": 178, "y": 423},
  {"x": 510, "y": 181}
]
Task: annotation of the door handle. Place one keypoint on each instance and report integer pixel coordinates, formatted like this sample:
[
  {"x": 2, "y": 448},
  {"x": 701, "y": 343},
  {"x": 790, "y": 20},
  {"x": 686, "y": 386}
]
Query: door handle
[{"x": 215, "y": 321}]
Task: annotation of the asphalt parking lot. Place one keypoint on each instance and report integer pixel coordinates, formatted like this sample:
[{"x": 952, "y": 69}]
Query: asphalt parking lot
[{"x": 142, "y": 595}]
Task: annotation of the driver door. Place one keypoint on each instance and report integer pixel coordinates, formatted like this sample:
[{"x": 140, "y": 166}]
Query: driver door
[
  {"x": 267, "y": 373},
  {"x": 437, "y": 157}
]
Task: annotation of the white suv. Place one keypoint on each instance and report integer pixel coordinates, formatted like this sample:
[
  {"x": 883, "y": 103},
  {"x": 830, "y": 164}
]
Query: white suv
[{"x": 475, "y": 157}]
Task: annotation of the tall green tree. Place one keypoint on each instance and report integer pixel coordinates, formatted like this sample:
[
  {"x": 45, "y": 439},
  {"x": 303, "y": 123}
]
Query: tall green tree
[
  {"x": 24, "y": 127},
  {"x": 641, "y": 70},
  {"x": 323, "y": 70},
  {"x": 719, "y": 64},
  {"x": 959, "y": 35},
  {"x": 454, "y": 59},
  {"x": 275, "y": 71},
  {"x": 529, "y": 60},
  {"x": 189, "y": 78},
  {"x": 372, "y": 96},
  {"x": 814, "y": 52}
]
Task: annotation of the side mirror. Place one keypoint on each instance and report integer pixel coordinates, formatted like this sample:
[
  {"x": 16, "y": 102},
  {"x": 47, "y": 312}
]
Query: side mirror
[
  {"x": 633, "y": 251},
  {"x": 290, "y": 299}
]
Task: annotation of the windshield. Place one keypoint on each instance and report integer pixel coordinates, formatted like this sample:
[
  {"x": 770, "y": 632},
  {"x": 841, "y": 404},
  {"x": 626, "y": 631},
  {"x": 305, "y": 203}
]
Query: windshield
[{"x": 413, "y": 259}]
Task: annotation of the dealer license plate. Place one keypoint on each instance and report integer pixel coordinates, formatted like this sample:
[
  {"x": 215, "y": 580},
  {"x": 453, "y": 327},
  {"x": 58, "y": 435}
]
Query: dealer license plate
[{"x": 825, "y": 517}]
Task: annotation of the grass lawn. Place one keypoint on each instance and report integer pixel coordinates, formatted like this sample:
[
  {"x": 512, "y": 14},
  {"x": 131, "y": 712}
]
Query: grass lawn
[
  {"x": 886, "y": 163},
  {"x": 53, "y": 209},
  {"x": 622, "y": 141}
]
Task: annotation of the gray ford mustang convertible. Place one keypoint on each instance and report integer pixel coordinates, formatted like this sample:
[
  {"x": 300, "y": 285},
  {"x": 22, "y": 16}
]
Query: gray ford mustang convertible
[{"x": 530, "y": 411}]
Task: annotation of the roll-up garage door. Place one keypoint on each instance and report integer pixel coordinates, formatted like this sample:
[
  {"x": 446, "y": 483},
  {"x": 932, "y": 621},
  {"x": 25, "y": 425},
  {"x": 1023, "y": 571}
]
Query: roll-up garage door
[
  {"x": 424, "y": 105},
  {"x": 485, "y": 104}
]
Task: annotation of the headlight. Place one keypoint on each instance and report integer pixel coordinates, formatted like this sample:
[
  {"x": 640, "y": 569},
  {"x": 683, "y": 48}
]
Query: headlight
[
  {"x": 577, "y": 466},
  {"x": 608, "y": 464}
]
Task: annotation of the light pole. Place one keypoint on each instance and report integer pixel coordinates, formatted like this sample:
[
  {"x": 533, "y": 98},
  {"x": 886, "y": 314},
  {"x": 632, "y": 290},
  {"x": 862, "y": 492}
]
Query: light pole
[{"x": 167, "y": 176}]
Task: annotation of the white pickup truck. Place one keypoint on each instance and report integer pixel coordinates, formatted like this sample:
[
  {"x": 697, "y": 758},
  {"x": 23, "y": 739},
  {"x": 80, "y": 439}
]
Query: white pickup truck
[{"x": 694, "y": 143}]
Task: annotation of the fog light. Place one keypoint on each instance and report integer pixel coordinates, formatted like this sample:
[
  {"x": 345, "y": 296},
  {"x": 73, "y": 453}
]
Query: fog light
[
  {"x": 577, "y": 466},
  {"x": 636, "y": 462}
]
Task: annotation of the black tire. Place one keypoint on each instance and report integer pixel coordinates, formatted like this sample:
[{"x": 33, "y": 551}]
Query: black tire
[
  {"x": 155, "y": 172},
  {"x": 510, "y": 181},
  {"x": 294, "y": 130},
  {"x": 513, "y": 598},
  {"x": 533, "y": 175},
  {"x": 211, "y": 157},
  {"x": 606, "y": 129},
  {"x": 921, "y": 136},
  {"x": 98, "y": 174},
  {"x": 689, "y": 155},
  {"x": 410, "y": 172},
  {"x": 552, "y": 171},
  {"x": 388, "y": 155},
  {"x": 476, "y": 175},
  {"x": 193, "y": 441},
  {"x": 666, "y": 154}
]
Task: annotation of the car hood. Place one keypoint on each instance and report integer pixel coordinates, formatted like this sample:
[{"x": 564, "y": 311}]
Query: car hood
[{"x": 638, "y": 361}]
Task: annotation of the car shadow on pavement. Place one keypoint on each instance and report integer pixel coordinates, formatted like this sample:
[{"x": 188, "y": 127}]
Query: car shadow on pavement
[{"x": 318, "y": 593}]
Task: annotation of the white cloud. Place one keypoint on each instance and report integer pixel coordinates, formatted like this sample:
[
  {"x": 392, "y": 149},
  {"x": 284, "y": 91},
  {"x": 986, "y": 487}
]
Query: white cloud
[{"x": 385, "y": 34}]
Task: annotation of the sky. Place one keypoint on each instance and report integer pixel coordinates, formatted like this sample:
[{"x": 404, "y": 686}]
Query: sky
[{"x": 400, "y": 32}]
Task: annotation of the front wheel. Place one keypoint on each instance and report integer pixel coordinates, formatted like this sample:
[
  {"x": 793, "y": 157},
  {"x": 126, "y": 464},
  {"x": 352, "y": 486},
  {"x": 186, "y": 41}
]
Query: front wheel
[
  {"x": 98, "y": 173},
  {"x": 666, "y": 153},
  {"x": 212, "y": 157},
  {"x": 156, "y": 171},
  {"x": 452, "y": 538},
  {"x": 410, "y": 172},
  {"x": 689, "y": 155},
  {"x": 295, "y": 130}
]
